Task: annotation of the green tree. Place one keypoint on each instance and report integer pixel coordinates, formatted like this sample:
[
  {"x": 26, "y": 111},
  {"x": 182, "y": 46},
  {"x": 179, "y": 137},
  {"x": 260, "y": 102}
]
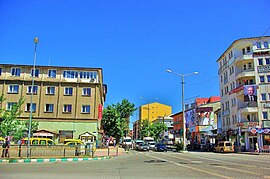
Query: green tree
[
  {"x": 9, "y": 125},
  {"x": 144, "y": 128},
  {"x": 157, "y": 130},
  {"x": 115, "y": 120}
]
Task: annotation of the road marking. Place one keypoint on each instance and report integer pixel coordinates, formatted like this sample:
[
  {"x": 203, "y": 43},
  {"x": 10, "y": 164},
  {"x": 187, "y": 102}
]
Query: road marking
[
  {"x": 244, "y": 171},
  {"x": 203, "y": 171},
  {"x": 227, "y": 162}
]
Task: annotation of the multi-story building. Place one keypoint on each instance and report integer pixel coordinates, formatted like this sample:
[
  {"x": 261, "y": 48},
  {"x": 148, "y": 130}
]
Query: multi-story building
[
  {"x": 244, "y": 68},
  {"x": 66, "y": 101},
  {"x": 168, "y": 121},
  {"x": 152, "y": 111}
]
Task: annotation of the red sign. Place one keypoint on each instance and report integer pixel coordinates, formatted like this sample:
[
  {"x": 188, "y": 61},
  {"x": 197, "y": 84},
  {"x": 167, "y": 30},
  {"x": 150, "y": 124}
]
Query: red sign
[{"x": 99, "y": 111}]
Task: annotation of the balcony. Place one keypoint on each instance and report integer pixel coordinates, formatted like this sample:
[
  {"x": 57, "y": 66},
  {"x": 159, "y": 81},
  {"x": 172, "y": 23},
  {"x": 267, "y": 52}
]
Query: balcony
[
  {"x": 225, "y": 112},
  {"x": 242, "y": 57},
  {"x": 239, "y": 73},
  {"x": 250, "y": 106}
]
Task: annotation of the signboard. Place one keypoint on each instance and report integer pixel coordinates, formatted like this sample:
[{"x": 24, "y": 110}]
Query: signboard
[
  {"x": 264, "y": 69},
  {"x": 246, "y": 125},
  {"x": 99, "y": 111},
  {"x": 266, "y": 123}
]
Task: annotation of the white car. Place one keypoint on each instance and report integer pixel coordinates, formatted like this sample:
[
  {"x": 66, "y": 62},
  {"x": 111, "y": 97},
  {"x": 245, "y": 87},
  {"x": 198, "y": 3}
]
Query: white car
[{"x": 152, "y": 145}]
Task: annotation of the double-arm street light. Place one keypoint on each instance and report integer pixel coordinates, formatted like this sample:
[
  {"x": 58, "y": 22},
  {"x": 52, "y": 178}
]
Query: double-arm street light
[
  {"x": 183, "y": 105},
  {"x": 148, "y": 101}
]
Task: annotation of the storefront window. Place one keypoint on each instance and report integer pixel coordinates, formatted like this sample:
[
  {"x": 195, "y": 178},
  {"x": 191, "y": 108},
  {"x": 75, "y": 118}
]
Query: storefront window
[{"x": 266, "y": 139}]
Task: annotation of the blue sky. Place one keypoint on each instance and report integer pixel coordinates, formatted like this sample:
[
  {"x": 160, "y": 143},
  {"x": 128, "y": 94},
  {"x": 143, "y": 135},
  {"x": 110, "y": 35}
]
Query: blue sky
[{"x": 134, "y": 41}]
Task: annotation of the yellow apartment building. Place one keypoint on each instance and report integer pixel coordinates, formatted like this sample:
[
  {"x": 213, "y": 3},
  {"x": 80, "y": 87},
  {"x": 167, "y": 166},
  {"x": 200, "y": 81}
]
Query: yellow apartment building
[
  {"x": 67, "y": 101},
  {"x": 153, "y": 111}
]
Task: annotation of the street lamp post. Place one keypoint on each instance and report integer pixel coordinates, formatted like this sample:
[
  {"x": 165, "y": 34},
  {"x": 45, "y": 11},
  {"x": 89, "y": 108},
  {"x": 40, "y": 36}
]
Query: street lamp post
[
  {"x": 148, "y": 108},
  {"x": 31, "y": 98},
  {"x": 183, "y": 105}
]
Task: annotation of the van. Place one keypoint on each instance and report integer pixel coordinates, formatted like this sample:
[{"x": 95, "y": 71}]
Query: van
[
  {"x": 38, "y": 141},
  {"x": 127, "y": 142},
  {"x": 224, "y": 146}
]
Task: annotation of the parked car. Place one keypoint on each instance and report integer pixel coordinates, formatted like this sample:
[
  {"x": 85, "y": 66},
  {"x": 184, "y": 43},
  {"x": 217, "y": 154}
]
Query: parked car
[
  {"x": 224, "y": 146},
  {"x": 152, "y": 145},
  {"x": 160, "y": 147},
  {"x": 207, "y": 147},
  {"x": 194, "y": 146},
  {"x": 136, "y": 144},
  {"x": 38, "y": 141},
  {"x": 143, "y": 147}
]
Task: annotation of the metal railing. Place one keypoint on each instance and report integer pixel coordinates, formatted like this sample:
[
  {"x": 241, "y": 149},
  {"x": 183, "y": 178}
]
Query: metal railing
[{"x": 58, "y": 151}]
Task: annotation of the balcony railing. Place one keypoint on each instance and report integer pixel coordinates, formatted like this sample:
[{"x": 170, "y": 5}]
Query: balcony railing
[
  {"x": 244, "y": 57},
  {"x": 238, "y": 70},
  {"x": 226, "y": 112},
  {"x": 249, "y": 104}
]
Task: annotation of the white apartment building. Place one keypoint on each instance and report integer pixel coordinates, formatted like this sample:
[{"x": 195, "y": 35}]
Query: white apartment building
[{"x": 243, "y": 67}]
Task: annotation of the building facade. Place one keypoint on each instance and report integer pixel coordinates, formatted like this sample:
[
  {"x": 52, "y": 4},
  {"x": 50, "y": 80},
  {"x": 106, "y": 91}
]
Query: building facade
[
  {"x": 67, "y": 101},
  {"x": 201, "y": 123},
  {"x": 152, "y": 111},
  {"x": 244, "y": 80}
]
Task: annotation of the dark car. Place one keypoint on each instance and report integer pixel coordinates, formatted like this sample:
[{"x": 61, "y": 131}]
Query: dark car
[
  {"x": 142, "y": 147},
  {"x": 194, "y": 146},
  {"x": 160, "y": 147},
  {"x": 207, "y": 147}
]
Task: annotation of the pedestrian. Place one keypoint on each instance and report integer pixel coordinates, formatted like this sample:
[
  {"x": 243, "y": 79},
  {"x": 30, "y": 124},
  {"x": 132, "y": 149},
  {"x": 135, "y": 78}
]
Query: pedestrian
[
  {"x": 114, "y": 142},
  {"x": 5, "y": 146}
]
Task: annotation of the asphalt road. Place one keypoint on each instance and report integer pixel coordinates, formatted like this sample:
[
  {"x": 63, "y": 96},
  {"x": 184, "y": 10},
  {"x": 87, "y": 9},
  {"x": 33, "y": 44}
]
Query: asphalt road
[{"x": 148, "y": 165}]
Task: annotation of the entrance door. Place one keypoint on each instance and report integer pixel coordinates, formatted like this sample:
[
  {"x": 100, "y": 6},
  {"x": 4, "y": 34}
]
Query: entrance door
[{"x": 252, "y": 143}]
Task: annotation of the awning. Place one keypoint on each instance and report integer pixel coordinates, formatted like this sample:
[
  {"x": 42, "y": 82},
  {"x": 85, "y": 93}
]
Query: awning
[{"x": 42, "y": 134}]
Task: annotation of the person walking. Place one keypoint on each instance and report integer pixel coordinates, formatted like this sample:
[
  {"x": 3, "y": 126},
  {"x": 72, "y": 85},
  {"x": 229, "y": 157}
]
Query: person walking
[{"x": 5, "y": 146}]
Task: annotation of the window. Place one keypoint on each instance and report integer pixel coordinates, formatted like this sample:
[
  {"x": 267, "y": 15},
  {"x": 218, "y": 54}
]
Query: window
[
  {"x": 259, "y": 45},
  {"x": 248, "y": 49},
  {"x": 265, "y": 115},
  {"x": 86, "y": 91},
  {"x": 15, "y": 71},
  {"x": 68, "y": 91},
  {"x": 243, "y": 51},
  {"x": 249, "y": 66},
  {"x": 35, "y": 89},
  {"x": 88, "y": 74},
  {"x": 265, "y": 44},
  {"x": 48, "y": 107},
  {"x": 268, "y": 78},
  {"x": 269, "y": 96},
  {"x": 13, "y": 89},
  {"x": 263, "y": 95},
  {"x": 36, "y": 72},
  {"x": 221, "y": 79},
  {"x": 50, "y": 90},
  {"x": 262, "y": 79},
  {"x": 0, "y": 71},
  {"x": 267, "y": 61},
  {"x": 28, "y": 107},
  {"x": 70, "y": 74},
  {"x": 85, "y": 108},
  {"x": 260, "y": 61},
  {"x": 9, "y": 105},
  {"x": 67, "y": 108},
  {"x": 52, "y": 73}
]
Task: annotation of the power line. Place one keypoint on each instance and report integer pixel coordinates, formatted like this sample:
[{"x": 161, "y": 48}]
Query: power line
[{"x": 205, "y": 81}]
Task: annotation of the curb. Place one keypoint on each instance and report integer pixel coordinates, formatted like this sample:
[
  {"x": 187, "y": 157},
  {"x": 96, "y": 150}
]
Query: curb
[{"x": 41, "y": 160}]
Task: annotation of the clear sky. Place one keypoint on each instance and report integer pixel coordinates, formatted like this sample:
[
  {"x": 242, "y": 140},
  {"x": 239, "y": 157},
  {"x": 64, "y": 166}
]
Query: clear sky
[{"x": 133, "y": 41}]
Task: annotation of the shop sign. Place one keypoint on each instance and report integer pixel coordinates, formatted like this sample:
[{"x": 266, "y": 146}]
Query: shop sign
[
  {"x": 260, "y": 130},
  {"x": 266, "y": 123},
  {"x": 246, "y": 125},
  {"x": 236, "y": 90},
  {"x": 264, "y": 69}
]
